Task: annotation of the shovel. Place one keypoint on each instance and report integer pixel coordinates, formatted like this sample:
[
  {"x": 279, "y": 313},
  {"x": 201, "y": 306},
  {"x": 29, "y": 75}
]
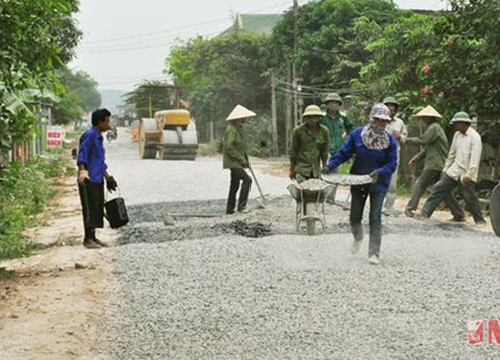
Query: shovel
[{"x": 264, "y": 201}]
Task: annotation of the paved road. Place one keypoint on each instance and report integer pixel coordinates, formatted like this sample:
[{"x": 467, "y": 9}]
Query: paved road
[{"x": 197, "y": 290}]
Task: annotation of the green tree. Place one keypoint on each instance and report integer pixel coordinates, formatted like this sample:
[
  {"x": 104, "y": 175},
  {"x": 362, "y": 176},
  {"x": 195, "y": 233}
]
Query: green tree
[
  {"x": 327, "y": 50},
  {"x": 83, "y": 87},
  {"x": 36, "y": 38},
  {"x": 217, "y": 74},
  {"x": 398, "y": 56},
  {"x": 151, "y": 96},
  {"x": 446, "y": 59},
  {"x": 77, "y": 92},
  {"x": 465, "y": 68}
]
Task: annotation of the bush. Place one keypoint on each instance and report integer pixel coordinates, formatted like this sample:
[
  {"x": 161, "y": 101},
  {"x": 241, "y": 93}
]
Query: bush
[
  {"x": 25, "y": 190},
  {"x": 211, "y": 148},
  {"x": 258, "y": 135},
  {"x": 258, "y": 139}
]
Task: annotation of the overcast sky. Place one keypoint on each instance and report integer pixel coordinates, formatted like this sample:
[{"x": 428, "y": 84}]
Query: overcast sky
[{"x": 125, "y": 42}]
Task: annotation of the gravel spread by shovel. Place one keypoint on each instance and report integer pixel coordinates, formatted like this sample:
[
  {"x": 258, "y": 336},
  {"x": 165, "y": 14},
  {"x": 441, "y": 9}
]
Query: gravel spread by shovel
[{"x": 250, "y": 229}]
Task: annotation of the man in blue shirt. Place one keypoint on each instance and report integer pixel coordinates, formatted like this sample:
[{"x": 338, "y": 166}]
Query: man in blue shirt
[{"x": 92, "y": 170}]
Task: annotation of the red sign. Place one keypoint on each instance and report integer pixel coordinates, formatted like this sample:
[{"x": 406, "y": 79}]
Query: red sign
[{"x": 55, "y": 136}]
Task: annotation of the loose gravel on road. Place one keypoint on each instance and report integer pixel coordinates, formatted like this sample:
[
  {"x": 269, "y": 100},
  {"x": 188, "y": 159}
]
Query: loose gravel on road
[{"x": 198, "y": 290}]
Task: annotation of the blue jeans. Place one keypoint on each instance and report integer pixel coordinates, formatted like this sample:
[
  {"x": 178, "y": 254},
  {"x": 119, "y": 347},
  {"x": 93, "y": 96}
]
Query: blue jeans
[
  {"x": 443, "y": 188},
  {"x": 359, "y": 195}
]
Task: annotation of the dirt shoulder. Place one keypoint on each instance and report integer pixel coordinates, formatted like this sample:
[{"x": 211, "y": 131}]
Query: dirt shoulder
[{"x": 55, "y": 304}]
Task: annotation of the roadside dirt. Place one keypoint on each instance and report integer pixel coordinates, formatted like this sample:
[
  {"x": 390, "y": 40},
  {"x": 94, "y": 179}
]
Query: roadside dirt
[{"x": 55, "y": 303}]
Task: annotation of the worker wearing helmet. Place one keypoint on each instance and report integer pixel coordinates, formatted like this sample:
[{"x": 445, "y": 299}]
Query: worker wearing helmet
[
  {"x": 461, "y": 169},
  {"x": 235, "y": 159},
  {"x": 310, "y": 143},
  {"x": 339, "y": 126},
  {"x": 434, "y": 154},
  {"x": 397, "y": 128}
]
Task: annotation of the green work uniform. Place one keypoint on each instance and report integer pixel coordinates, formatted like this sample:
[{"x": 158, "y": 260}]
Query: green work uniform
[
  {"x": 435, "y": 146},
  {"x": 337, "y": 126},
  {"x": 235, "y": 156},
  {"x": 308, "y": 148}
]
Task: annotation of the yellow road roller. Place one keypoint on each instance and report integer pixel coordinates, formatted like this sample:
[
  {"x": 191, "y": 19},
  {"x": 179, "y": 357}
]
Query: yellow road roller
[{"x": 171, "y": 134}]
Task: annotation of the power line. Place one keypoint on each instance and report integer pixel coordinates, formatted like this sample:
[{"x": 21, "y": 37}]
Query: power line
[
  {"x": 134, "y": 48},
  {"x": 277, "y": 4},
  {"x": 155, "y": 32},
  {"x": 133, "y": 80}
]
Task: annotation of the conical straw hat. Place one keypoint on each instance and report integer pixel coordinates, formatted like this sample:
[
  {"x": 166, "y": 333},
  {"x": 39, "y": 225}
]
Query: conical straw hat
[
  {"x": 240, "y": 112},
  {"x": 429, "y": 111}
]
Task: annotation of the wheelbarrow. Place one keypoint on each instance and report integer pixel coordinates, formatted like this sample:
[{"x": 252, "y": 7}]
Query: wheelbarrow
[{"x": 310, "y": 197}]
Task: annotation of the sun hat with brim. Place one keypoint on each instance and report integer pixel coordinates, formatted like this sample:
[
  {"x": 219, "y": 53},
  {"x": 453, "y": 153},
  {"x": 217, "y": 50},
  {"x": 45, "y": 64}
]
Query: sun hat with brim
[
  {"x": 461, "y": 116},
  {"x": 313, "y": 110},
  {"x": 333, "y": 97},
  {"x": 429, "y": 111},
  {"x": 240, "y": 112},
  {"x": 390, "y": 100},
  {"x": 380, "y": 111}
]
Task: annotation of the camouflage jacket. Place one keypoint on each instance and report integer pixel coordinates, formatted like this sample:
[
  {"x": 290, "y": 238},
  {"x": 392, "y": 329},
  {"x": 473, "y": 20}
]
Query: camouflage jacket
[
  {"x": 308, "y": 148},
  {"x": 235, "y": 155}
]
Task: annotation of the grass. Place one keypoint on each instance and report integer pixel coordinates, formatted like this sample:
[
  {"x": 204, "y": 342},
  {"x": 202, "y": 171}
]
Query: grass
[
  {"x": 25, "y": 190},
  {"x": 7, "y": 274},
  {"x": 404, "y": 191}
]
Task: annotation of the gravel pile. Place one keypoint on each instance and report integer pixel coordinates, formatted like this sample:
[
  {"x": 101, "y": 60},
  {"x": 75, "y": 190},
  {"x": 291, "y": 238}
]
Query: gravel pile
[
  {"x": 288, "y": 295},
  {"x": 252, "y": 229}
]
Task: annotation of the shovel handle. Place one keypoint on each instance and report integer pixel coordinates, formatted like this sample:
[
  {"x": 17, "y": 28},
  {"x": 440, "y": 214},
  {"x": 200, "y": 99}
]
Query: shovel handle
[{"x": 258, "y": 185}]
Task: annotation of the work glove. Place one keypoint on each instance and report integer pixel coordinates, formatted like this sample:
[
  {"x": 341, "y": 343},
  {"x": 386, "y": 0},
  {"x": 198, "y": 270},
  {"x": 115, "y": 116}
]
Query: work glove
[
  {"x": 111, "y": 184},
  {"x": 83, "y": 177},
  {"x": 374, "y": 176},
  {"x": 325, "y": 170}
]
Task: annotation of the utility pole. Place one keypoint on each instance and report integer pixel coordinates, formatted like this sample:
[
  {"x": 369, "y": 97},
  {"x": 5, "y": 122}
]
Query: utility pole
[
  {"x": 274, "y": 115},
  {"x": 150, "y": 104},
  {"x": 294, "y": 66},
  {"x": 288, "y": 107}
]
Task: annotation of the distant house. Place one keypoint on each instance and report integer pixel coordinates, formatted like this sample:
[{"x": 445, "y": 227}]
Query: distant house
[{"x": 258, "y": 23}]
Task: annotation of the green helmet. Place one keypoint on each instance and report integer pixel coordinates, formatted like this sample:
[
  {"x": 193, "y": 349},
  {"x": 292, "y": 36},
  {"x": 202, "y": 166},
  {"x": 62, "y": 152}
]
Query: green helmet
[
  {"x": 312, "y": 110},
  {"x": 333, "y": 97},
  {"x": 390, "y": 100},
  {"x": 461, "y": 116}
]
